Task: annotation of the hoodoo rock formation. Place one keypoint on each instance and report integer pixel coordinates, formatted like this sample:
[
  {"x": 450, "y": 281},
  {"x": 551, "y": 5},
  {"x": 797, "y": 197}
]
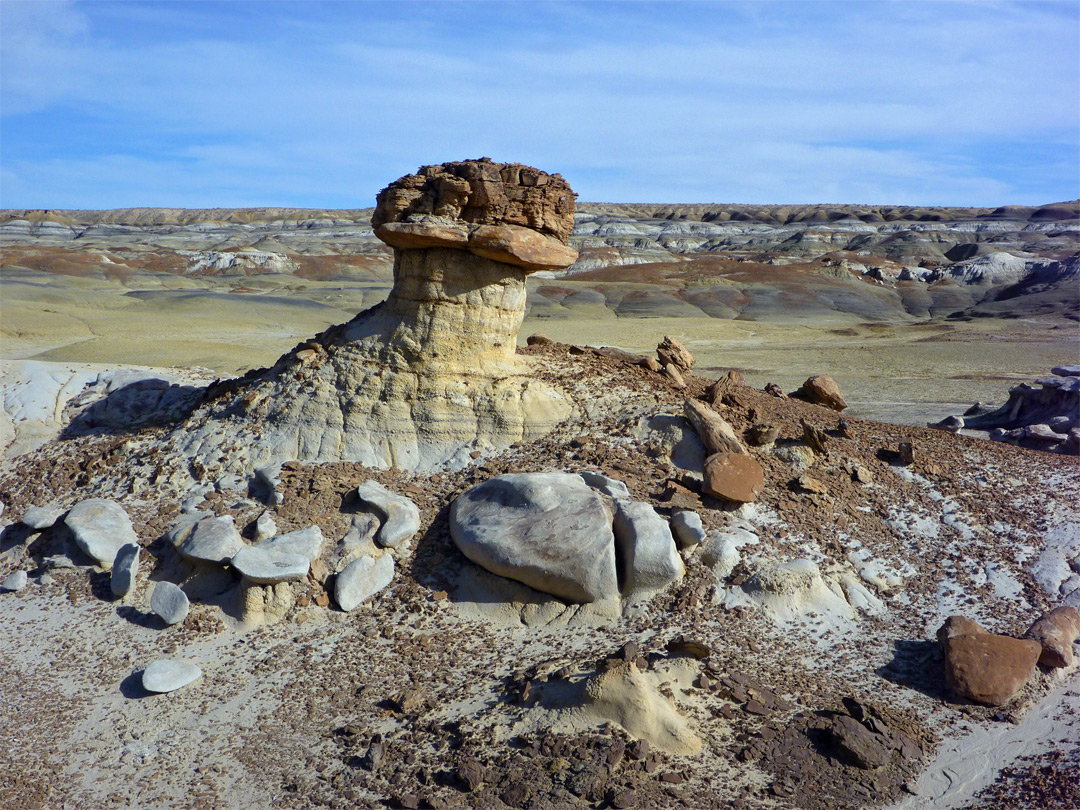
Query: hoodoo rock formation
[{"x": 429, "y": 375}]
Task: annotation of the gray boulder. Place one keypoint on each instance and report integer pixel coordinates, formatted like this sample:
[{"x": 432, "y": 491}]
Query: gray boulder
[
  {"x": 606, "y": 486},
  {"x": 269, "y": 566},
  {"x": 265, "y": 527},
  {"x": 687, "y": 528},
  {"x": 306, "y": 543},
  {"x": 165, "y": 675},
  {"x": 40, "y": 518},
  {"x": 361, "y": 579},
  {"x": 547, "y": 530},
  {"x": 124, "y": 570},
  {"x": 211, "y": 540},
  {"x": 401, "y": 517},
  {"x": 169, "y": 602},
  {"x": 14, "y": 582},
  {"x": 100, "y": 528},
  {"x": 650, "y": 561}
]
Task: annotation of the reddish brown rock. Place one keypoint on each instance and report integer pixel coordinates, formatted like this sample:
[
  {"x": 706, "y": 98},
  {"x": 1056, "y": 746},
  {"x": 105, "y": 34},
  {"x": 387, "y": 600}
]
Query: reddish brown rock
[
  {"x": 673, "y": 372},
  {"x": 672, "y": 351},
  {"x": 1056, "y": 632},
  {"x": 716, "y": 434},
  {"x": 734, "y": 477},
  {"x": 988, "y": 668},
  {"x": 823, "y": 390},
  {"x": 520, "y": 246},
  {"x": 958, "y": 626},
  {"x": 423, "y": 234}
]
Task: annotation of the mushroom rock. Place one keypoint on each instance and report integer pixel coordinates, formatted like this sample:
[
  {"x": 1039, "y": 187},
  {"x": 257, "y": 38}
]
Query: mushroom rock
[{"x": 430, "y": 374}]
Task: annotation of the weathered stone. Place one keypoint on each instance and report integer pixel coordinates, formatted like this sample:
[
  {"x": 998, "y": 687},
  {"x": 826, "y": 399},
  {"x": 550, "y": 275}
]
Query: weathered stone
[
  {"x": 306, "y": 543},
  {"x": 361, "y": 579},
  {"x": 519, "y": 246},
  {"x": 605, "y": 485},
  {"x": 807, "y": 483},
  {"x": 40, "y": 518},
  {"x": 734, "y": 477},
  {"x": 401, "y": 517},
  {"x": 124, "y": 570},
  {"x": 687, "y": 528},
  {"x": 988, "y": 668},
  {"x": 643, "y": 541},
  {"x": 671, "y": 351},
  {"x": 265, "y": 527},
  {"x": 672, "y": 371},
  {"x": 212, "y": 540},
  {"x": 263, "y": 565},
  {"x": 763, "y": 434},
  {"x": 953, "y": 424},
  {"x": 100, "y": 528},
  {"x": 906, "y": 451},
  {"x": 15, "y": 581},
  {"x": 823, "y": 390},
  {"x": 652, "y": 365},
  {"x": 1057, "y": 631},
  {"x": 716, "y": 434},
  {"x": 816, "y": 438},
  {"x": 426, "y": 232},
  {"x": 169, "y": 602},
  {"x": 958, "y": 626},
  {"x": 538, "y": 339},
  {"x": 857, "y": 744},
  {"x": 166, "y": 675},
  {"x": 547, "y": 530}
]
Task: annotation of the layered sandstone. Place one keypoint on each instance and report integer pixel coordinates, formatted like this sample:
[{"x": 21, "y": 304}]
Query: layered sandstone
[{"x": 429, "y": 375}]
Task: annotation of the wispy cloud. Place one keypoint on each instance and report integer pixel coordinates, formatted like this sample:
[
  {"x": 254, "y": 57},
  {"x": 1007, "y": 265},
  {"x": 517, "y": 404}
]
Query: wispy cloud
[{"x": 322, "y": 104}]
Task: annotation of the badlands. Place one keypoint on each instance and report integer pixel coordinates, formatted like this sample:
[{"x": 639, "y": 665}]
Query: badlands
[{"x": 300, "y": 510}]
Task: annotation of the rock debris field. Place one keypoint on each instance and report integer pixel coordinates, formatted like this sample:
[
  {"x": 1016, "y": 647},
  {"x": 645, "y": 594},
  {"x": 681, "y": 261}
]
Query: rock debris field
[{"x": 410, "y": 566}]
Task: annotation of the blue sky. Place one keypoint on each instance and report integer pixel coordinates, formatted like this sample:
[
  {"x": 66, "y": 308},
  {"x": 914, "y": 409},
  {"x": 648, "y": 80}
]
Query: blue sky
[{"x": 202, "y": 104}]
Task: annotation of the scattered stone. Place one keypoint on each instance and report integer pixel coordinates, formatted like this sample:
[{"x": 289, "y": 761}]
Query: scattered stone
[
  {"x": 733, "y": 477},
  {"x": 401, "y": 517},
  {"x": 212, "y": 540},
  {"x": 815, "y": 437},
  {"x": 643, "y": 542},
  {"x": 716, "y": 434},
  {"x": 362, "y": 578},
  {"x": 550, "y": 531},
  {"x": 953, "y": 424},
  {"x": 984, "y": 667},
  {"x": 672, "y": 352},
  {"x": 40, "y": 518},
  {"x": 1072, "y": 370},
  {"x": 14, "y": 582},
  {"x": 859, "y": 473},
  {"x": 762, "y": 434},
  {"x": 857, "y": 744},
  {"x": 823, "y": 390},
  {"x": 676, "y": 376},
  {"x": 100, "y": 528},
  {"x": 169, "y": 602},
  {"x": 907, "y": 453},
  {"x": 652, "y": 365},
  {"x": 539, "y": 339},
  {"x": 775, "y": 390},
  {"x": 264, "y": 565},
  {"x": 687, "y": 528},
  {"x": 958, "y": 626},
  {"x": 265, "y": 527},
  {"x": 124, "y": 570},
  {"x": 1056, "y": 631},
  {"x": 165, "y": 675},
  {"x": 810, "y": 484}
]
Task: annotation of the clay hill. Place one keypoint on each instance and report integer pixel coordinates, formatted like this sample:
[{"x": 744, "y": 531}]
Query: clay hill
[{"x": 413, "y": 564}]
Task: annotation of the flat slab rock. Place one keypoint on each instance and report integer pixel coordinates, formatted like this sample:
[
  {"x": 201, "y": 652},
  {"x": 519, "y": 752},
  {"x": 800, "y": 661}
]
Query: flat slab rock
[
  {"x": 166, "y": 675},
  {"x": 550, "y": 531},
  {"x": 212, "y": 540},
  {"x": 268, "y": 565},
  {"x": 40, "y": 518},
  {"x": 169, "y": 602},
  {"x": 101, "y": 527}
]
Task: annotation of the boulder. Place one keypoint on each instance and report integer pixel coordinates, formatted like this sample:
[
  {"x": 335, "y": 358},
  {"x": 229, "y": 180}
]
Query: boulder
[
  {"x": 687, "y": 528},
  {"x": 958, "y": 626},
  {"x": 823, "y": 390},
  {"x": 169, "y": 602},
  {"x": 211, "y": 540},
  {"x": 40, "y": 518},
  {"x": 100, "y": 528},
  {"x": 265, "y": 527},
  {"x": 14, "y": 582},
  {"x": 124, "y": 570},
  {"x": 984, "y": 667},
  {"x": 265, "y": 565},
  {"x": 400, "y": 516},
  {"x": 953, "y": 424},
  {"x": 361, "y": 579},
  {"x": 673, "y": 373},
  {"x": 605, "y": 485},
  {"x": 643, "y": 541},
  {"x": 165, "y": 675},
  {"x": 1057, "y": 631},
  {"x": 734, "y": 477},
  {"x": 716, "y": 434},
  {"x": 550, "y": 531},
  {"x": 306, "y": 543},
  {"x": 672, "y": 351}
]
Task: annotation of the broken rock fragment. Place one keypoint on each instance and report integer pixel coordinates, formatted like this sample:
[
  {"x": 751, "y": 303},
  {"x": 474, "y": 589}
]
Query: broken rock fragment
[
  {"x": 100, "y": 527},
  {"x": 1056, "y": 631},
  {"x": 672, "y": 351},
  {"x": 823, "y": 390},
  {"x": 984, "y": 667},
  {"x": 400, "y": 516},
  {"x": 734, "y": 477}
]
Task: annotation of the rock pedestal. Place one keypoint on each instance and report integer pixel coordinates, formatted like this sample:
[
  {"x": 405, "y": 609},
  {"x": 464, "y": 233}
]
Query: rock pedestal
[{"x": 424, "y": 378}]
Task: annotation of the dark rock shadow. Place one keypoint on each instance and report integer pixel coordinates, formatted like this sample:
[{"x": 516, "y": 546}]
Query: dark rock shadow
[
  {"x": 918, "y": 664},
  {"x": 147, "y": 619},
  {"x": 14, "y": 535},
  {"x": 141, "y": 403},
  {"x": 131, "y": 687}
]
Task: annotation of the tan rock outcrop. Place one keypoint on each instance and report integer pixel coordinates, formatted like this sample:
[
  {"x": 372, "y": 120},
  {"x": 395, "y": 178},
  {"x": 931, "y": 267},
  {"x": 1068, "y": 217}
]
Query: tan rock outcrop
[{"x": 430, "y": 374}]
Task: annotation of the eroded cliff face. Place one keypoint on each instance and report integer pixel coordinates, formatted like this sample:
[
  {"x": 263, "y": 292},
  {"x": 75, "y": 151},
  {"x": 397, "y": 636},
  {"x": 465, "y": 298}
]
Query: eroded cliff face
[{"x": 430, "y": 375}]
